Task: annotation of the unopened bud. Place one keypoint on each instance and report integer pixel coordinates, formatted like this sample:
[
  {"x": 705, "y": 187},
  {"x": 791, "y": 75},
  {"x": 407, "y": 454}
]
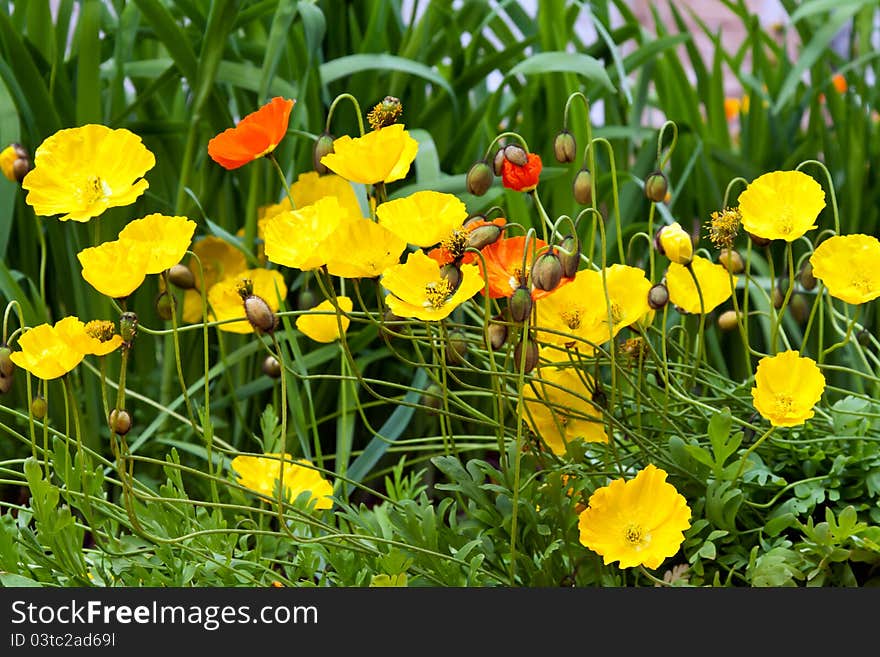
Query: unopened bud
[
  {"x": 259, "y": 314},
  {"x": 582, "y": 187},
  {"x": 498, "y": 162},
  {"x": 164, "y": 306},
  {"x": 656, "y": 187},
  {"x": 271, "y": 367},
  {"x": 777, "y": 296},
  {"x": 483, "y": 236},
  {"x": 516, "y": 155},
  {"x": 520, "y": 304},
  {"x": 120, "y": 421},
  {"x": 731, "y": 260},
  {"x": 564, "y": 147},
  {"x": 496, "y": 332},
  {"x": 181, "y": 276},
  {"x": 456, "y": 348},
  {"x": 675, "y": 243},
  {"x": 758, "y": 241},
  {"x": 547, "y": 271},
  {"x": 658, "y": 296},
  {"x": 729, "y": 320},
  {"x": 128, "y": 324},
  {"x": 392, "y": 325},
  {"x": 525, "y": 355},
  {"x": 15, "y": 162},
  {"x": 800, "y": 308},
  {"x": 479, "y": 178},
  {"x": 323, "y": 146},
  {"x": 569, "y": 251},
  {"x": 432, "y": 398},
  {"x": 805, "y": 276},
  {"x": 306, "y": 300},
  {"x": 863, "y": 337},
  {"x": 39, "y": 407},
  {"x": 452, "y": 274},
  {"x": 7, "y": 367}
]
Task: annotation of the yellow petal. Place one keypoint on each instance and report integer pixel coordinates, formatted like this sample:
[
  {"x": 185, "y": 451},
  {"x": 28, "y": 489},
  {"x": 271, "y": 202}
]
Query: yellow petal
[
  {"x": 115, "y": 268},
  {"x": 165, "y": 238},
  {"x": 321, "y": 323},
  {"x": 423, "y": 218}
]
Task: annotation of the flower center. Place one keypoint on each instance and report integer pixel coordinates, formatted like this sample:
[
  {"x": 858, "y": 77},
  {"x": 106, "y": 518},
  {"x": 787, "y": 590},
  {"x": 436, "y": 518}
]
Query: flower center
[
  {"x": 572, "y": 318},
  {"x": 862, "y": 284},
  {"x": 785, "y": 222},
  {"x": 516, "y": 280},
  {"x": 437, "y": 293},
  {"x": 96, "y": 190},
  {"x": 456, "y": 243},
  {"x": 635, "y": 535},
  {"x": 724, "y": 226},
  {"x": 616, "y": 312},
  {"x": 784, "y": 404},
  {"x": 100, "y": 329}
]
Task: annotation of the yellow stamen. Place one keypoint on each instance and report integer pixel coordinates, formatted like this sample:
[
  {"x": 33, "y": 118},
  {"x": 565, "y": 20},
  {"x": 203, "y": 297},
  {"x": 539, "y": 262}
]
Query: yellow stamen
[
  {"x": 437, "y": 293},
  {"x": 724, "y": 226},
  {"x": 100, "y": 329}
]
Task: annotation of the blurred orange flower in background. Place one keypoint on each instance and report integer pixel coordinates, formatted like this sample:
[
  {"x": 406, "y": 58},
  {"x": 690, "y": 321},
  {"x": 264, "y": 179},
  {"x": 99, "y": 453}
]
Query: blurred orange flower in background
[{"x": 256, "y": 135}]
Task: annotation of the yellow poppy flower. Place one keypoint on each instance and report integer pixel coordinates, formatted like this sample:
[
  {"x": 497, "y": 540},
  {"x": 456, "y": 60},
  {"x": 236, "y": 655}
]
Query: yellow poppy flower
[
  {"x": 676, "y": 243},
  {"x": 115, "y": 268},
  {"x": 382, "y": 155},
  {"x": 416, "y": 288},
  {"x": 714, "y": 282},
  {"x": 637, "y": 522},
  {"x": 320, "y": 323},
  {"x": 261, "y": 474},
  {"x": 226, "y": 302},
  {"x": 309, "y": 188},
  {"x": 847, "y": 265},
  {"x": 423, "y": 218},
  {"x": 361, "y": 248},
  {"x": 48, "y": 351},
  {"x": 781, "y": 205},
  {"x": 164, "y": 238},
  {"x": 219, "y": 260},
  {"x": 787, "y": 386},
  {"x": 299, "y": 238},
  {"x": 578, "y": 312},
  {"x": 80, "y": 172},
  {"x": 556, "y": 409}
]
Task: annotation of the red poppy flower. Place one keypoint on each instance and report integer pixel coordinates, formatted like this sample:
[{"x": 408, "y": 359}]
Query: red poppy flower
[
  {"x": 255, "y": 135},
  {"x": 521, "y": 178},
  {"x": 453, "y": 247}
]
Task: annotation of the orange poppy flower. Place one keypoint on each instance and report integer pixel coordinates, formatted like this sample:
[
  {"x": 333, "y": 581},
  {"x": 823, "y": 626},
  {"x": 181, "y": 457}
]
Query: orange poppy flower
[
  {"x": 521, "y": 178},
  {"x": 453, "y": 248},
  {"x": 256, "y": 135},
  {"x": 504, "y": 266}
]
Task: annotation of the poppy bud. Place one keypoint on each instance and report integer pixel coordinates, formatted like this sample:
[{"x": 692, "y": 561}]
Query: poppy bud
[
  {"x": 39, "y": 407},
  {"x": 547, "y": 271},
  {"x": 777, "y": 297},
  {"x": 520, "y": 304},
  {"x": 807, "y": 280},
  {"x": 271, "y": 367},
  {"x": 259, "y": 314},
  {"x": 120, "y": 421},
  {"x": 392, "y": 325},
  {"x": 496, "y": 332},
  {"x": 433, "y": 398},
  {"x": 800, "y": 308},
  {"x": 306, "y": 300},
  {"x": 453, "y": 275},
  {"x": 479, "y": 178},
  {"x": 526, "y": 349},
  {"x": 758, "y": 241},
  {"x": 456, "y": 348},
  {"x": 15, "y": 162},
  {"x": 182, "y": 277},
  {"x": 863, "y": 337},
  {"x": 675, "y": 243},
  {"x": 7, "y": 367},
  {"x": 569, "y": 251},
  {"x": 483, "y": 236},
  {"x": 656, "y": 187},
  {"x": 323, "y": 146},
  {"x": 128, "y": 323},
  {"x": 582, "y": 188},
  {"x": 728, "y": 320},
  {"x": 658, "y": 296},
  {"x": 163, "y": 306},
  {"x": 516, "y": 155},
  {"x": 564, "y": 147},
  {"x": 498, "y": 161},
  {"x": 731, "y": 260}
]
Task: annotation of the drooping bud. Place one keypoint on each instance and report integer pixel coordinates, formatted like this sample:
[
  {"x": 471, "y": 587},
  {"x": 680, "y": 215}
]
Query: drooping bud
[
  {"x": 498, "y": 161},
  {"x": 496, "y": 332},
  {"x": 582, "y": 187},
  {"x": 516, "y": 155},
  {"x": 731, "y": 260},
  {"x": 323, "y": 146},
  {"x": 525, "y": 355},
  {"x": 271, "y": 367},
  {"x": 658, "y": 296},
  {"x": 432, "y": 398},
  {"x": 800, "y": 308},
  {"x": 564, "y": 147},
  {"x": 777, "y": 296},
  {"x": 164, "y": 306},
  {"x": 805, "y": 276},
  {"x": 392, "y": 325},
  {"x": 451, "y": 273},
  {"x": 675, "y": 243},
  {"x": 728, "y": 320},
  {"x": 656, "y": 186},
  {"x": 483, "y": 236},
  {"x": 7, "y": 369},
  {"x": 39, "y": 407},
  {"x": 520, "y": 304},
  {"x": 456, "y": 348},
  {"x": 181, "y": 276},
  {"x": 479, "y": 178},
  {"x": 569, "y": 251},
  {"x": 547, "y": 271},
  {"x": 120, "y": 421},
  {"x": 863, "y": 337},
  {"x": 307, "y": 299},
  {"x": 15, "y": 162},
  {"x": 256, "y": 310},
  {"x": 758, "y": 241},
  {"x": 128, "y": 323}
]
